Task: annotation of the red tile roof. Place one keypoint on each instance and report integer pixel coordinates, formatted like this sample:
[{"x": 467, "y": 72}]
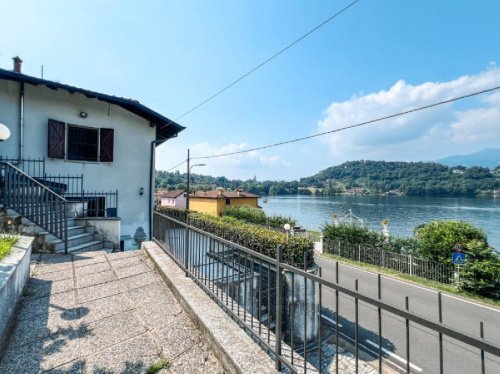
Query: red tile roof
[
  {"x": 222, "y": 194},
  {"x": 169, "y": 194}
]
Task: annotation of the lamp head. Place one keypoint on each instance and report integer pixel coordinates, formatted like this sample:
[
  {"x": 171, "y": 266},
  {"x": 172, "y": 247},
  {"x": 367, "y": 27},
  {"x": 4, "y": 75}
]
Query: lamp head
[{"x": 4, "y": 132}]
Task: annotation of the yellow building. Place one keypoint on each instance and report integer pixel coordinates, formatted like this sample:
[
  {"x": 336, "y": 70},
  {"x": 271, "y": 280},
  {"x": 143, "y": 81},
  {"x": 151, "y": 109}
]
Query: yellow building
[{"x": 216, "y": 202}]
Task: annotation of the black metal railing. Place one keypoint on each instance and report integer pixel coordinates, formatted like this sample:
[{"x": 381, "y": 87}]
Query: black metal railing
[
  {"x": 33, "y": 200},
  {"x": 400, "y": 262},
  {"x": 34, "y": 167},
  {"x": 282, "y": 306},
  {"x": 64, "y": 185},
  {"x": 95, "y": 204}
]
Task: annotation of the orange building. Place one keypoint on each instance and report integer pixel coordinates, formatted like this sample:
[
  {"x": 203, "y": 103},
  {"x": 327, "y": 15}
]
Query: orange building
[{"x": 216, "y": 202}]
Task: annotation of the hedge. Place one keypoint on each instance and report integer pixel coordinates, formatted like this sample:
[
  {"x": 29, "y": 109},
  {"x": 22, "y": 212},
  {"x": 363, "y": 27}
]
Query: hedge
[{"x": 257, "y": 238}]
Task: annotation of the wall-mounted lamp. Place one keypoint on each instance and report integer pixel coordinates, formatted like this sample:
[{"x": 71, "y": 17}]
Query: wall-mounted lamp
[
  {"x": 4, "y": 132},
  {"x": 141, "y": 191},
  {"x": 84, "y": 114}
]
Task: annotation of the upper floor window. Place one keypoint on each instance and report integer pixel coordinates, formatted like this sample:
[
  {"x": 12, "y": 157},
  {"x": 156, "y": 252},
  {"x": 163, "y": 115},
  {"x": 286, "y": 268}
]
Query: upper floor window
[
  {"x": 77, "y": 143},
  {"x": 228, "y": 201}
]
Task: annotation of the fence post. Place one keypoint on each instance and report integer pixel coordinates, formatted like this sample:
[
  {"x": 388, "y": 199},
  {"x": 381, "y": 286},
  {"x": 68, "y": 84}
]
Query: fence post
[
  {"x": 186, "y": 246},
  {"x": 279, "y": 304},
  {"x": 411, "y": 264}
]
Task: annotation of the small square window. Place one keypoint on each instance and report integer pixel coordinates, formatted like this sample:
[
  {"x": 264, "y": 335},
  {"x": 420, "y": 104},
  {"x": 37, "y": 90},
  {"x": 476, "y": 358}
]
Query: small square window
[
  {"x": 228, "y": 201},
  {"x": 83, "y": 143}
]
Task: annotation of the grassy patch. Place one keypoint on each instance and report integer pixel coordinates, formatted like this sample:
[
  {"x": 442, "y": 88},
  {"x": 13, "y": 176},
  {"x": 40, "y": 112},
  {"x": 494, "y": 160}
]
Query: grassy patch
[
  {"x": 445, "y": 288},
  {"x": 6, "y": 243},
  {"x": 158, "y": 365}
]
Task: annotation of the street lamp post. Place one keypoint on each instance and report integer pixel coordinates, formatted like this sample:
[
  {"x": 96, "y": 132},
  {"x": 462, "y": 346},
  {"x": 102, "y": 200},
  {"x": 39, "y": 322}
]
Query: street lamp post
[{"x": 189, "y": 167}]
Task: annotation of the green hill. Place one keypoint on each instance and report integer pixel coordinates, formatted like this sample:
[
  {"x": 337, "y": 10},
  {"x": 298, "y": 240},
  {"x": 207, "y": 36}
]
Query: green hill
[{"x": 371, "y": 177}]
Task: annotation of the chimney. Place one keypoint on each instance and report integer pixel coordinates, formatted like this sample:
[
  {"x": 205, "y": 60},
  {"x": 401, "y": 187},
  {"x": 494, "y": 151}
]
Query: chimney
[
  {"x": 239, "y": 191},
  {"x": 17, "y": 64}
]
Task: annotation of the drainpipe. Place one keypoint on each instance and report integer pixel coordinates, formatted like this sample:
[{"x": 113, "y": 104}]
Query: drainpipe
[
  {"x": 154, "y": 143},
  {"x": 21, "y": 121}
]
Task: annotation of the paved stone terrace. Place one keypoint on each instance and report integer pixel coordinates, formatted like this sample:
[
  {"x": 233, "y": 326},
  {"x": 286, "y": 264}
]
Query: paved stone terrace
[{"x": 98, "y": 312}]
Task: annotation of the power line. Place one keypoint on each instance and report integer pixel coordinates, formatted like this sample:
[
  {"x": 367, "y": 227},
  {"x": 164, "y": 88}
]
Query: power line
[
  {"x": 296, "y": 41},
  {"x": 353, "y": 126},
  {"x": 176, "y": 166}
]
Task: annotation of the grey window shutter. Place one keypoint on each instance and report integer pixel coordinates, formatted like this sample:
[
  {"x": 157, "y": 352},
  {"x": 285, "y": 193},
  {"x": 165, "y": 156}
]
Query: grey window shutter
[
  {"x": 56, "y": 139},
  {"x": 106, "y": 145}
]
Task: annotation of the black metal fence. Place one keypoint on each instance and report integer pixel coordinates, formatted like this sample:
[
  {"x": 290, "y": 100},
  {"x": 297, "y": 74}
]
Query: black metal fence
[
  {"x": 400, "y": 262},
  {"x": 95, "y": 204},
  {"x": 34, "y": 167},
  {"x": 280, "y": 306},
  {"x": 33, "y": 200}
]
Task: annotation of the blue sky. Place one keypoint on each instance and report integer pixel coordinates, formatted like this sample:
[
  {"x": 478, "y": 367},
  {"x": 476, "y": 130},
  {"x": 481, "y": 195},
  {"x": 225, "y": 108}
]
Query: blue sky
[{"x": 377, "y": 58}]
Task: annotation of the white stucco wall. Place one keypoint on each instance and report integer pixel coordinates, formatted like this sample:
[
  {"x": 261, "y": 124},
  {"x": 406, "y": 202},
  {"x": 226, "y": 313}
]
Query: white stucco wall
[{"x": 132, "y": 144}]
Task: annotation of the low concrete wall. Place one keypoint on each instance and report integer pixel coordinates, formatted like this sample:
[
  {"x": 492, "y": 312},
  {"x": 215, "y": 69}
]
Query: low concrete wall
[
  {"x": 14, "y": 272},
  {"x": 109, "y": 228}
]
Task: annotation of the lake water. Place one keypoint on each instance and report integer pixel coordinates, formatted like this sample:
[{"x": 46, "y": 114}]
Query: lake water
[{"x": 404, "y": 213}]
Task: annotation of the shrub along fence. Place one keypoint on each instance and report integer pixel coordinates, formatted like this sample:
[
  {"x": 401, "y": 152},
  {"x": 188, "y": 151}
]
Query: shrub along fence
[
  {"x": 402, "y": 263},
  {"x": 297, "y": 251}
]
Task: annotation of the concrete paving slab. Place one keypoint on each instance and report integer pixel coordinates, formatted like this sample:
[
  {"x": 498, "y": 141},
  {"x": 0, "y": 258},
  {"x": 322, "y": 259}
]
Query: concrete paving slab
[
  {"x": 99, "y": 291},
  {"x": 131, "y": 356},
  {"x": 94, "y": 279},
  {"x": 50, "y": 268},
  {"x": 38, "y": 287},
  {"x": 54, "y": 276},
  {"x": 131, "y": 270},
  {"x": 120, "y": 255},
  {"x": 140, "y": 280},
  {"x": 176, "y": 338},
  {"x": 47, "y": 304},
  {"x": 42, "y": 326},
  {"x": 92, "y": 269},
  {"x": 111, "y": 327},
  {"x": 124, "y": 262},
  {"x": 109, "y": 331},
  {"x": 197, "y": 360},
  {"x": 79, "y": 260},
  {"x": 74, "y": 367},
  {"x": 104, "y": 308},
  {"x": 42, "y": 355}
]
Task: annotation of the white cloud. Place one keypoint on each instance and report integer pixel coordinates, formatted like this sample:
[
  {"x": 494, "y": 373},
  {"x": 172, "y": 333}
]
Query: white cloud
[
  {"x": 241, "y": 166},
  {"x": 422, "y": 135}
]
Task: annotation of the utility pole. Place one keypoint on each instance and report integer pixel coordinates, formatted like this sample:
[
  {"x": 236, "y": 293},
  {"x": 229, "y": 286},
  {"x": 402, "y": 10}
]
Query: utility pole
[{"x": 187, "y": 182}]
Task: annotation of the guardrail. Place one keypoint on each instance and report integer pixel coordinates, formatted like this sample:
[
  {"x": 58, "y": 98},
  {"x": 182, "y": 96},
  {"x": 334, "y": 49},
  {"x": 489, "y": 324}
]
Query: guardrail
[
  {"x": 280, "y": 305},
  {"x": 400, "y": 262}
]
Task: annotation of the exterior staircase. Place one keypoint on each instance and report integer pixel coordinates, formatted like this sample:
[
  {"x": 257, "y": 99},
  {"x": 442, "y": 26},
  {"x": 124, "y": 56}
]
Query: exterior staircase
[
  {"x": 32, "y": 208},
  {"x": 80, "y": 235}
]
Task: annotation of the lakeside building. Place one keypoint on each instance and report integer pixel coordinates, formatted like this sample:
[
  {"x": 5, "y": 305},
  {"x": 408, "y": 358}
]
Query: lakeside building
[
  {"x": 103, "y": 142},
  {"x": 216, "y": 202}
]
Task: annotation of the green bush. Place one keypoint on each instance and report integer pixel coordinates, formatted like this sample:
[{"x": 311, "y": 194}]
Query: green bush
[
  {"x": 481, "y": 277},
  {"x": 175, "y": 213},
  {"x": 295, "y": 251},
  {"x": 257, "y": 216},
  {"x": 353, "y": 235},
  {"x": 438, "y": 238}
]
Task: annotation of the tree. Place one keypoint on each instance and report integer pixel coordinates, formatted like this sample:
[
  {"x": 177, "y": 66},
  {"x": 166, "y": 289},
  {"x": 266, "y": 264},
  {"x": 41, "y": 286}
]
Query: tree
[{"x": 438, "y": 238}]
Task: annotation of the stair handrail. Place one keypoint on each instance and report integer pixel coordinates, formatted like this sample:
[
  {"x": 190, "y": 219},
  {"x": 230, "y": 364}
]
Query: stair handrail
[{"x": 64, "y": 230}]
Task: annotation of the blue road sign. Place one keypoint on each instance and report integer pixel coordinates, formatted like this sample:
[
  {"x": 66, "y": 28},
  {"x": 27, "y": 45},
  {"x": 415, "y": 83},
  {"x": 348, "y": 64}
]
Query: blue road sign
[{"x": 458, "y": 258}]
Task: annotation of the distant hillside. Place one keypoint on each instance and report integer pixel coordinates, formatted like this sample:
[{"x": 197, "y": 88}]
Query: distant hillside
[
  {"x": 489, "y": 158},
  {"x": 354, "y": 177},
  {"x": 409, "y": 178}
]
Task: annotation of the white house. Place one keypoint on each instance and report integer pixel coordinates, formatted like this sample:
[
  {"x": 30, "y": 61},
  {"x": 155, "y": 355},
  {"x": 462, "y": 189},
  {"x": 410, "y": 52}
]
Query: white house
[
  {"x": 174, "y": 198},
  {"x": 106, "y": 142}
]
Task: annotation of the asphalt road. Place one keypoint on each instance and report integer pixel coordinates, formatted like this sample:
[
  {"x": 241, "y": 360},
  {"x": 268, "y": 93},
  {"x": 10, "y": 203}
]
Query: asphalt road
[{"x": 460, "y": 314}]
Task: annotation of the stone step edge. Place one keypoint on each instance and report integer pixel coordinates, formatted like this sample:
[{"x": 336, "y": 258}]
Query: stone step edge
[{"x": 237, "y": 352}]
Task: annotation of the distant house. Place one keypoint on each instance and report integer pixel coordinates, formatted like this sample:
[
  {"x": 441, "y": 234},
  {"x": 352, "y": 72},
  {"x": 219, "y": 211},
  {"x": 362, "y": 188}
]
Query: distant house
[
  {"x": 216, "y": 202},
  {"x": 174, "y": 198},
  {"x": 94, "y": 150}
]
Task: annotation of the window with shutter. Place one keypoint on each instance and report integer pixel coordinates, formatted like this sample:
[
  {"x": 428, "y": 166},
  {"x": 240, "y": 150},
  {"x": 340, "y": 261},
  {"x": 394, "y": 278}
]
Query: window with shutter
[
  {"x": 106, "y": 145},
  {"x": 56, "y": 139}
]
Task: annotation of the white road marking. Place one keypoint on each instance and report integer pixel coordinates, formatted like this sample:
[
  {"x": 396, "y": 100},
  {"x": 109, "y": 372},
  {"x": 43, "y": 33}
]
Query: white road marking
[
  {"x": 330, "y": 320},
  {"x": 395, "y": 356},
  {"x": 411, "y": 284}
]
